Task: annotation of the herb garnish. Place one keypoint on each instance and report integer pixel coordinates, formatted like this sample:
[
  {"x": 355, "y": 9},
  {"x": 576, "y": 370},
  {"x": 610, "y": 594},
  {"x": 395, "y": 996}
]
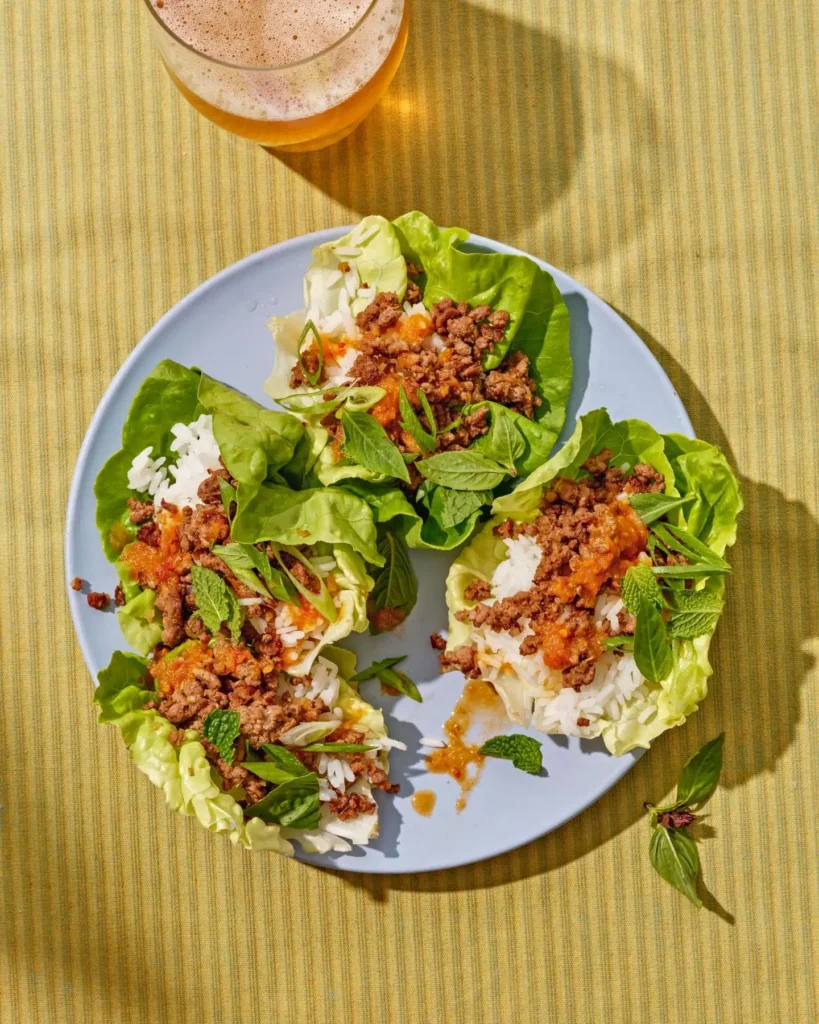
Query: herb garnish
[
  {"x": 215, "y": 601},
  {"x": 221, "y": 728},
  {"x": 395, "y": 587},
  {"x": 672, "y": 851},
  {"x": 313, "y": 378},
  {"x": 523, "y": 751},
  {"x": 394, "y": 679}
]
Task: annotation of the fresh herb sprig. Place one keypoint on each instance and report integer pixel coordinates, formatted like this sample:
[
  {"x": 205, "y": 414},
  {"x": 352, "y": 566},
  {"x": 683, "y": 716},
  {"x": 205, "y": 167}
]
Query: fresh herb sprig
[
  {"x": 672, "y": 851},
  {"x": 391, "y": 677},
  {"x": 523, "y": 751}
]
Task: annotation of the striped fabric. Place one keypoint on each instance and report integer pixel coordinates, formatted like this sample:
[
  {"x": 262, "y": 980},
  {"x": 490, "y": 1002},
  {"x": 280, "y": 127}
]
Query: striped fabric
[{"x": 665, "y": 153}]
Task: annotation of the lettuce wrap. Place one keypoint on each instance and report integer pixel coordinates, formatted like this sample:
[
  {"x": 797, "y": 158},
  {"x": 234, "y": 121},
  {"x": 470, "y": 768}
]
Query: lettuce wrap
[
  {"x": 695, "y": 516},
  {"x": 198, "y": 483},
  {"x": 198, "y": 775},
  {"x": 381, "y": 439}
]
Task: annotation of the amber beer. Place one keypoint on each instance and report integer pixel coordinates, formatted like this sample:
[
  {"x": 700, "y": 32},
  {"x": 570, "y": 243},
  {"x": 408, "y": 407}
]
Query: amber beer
[{"x": 292, "y": 74}]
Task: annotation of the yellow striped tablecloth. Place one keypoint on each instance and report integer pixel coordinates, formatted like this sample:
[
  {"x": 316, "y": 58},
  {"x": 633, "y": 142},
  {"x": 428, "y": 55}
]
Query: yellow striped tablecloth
[{"x": 666, "y": 154}]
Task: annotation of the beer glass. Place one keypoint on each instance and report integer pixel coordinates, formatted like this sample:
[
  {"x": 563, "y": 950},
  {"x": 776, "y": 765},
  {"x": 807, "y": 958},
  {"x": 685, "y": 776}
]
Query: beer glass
[{"x": 295, "y": 75}]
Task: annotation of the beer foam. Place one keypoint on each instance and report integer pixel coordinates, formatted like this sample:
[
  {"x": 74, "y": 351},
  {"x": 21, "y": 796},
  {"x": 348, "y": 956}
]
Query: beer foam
[
  {"x": 260, "y": 33},
  {"x": 273, "y": 35}
]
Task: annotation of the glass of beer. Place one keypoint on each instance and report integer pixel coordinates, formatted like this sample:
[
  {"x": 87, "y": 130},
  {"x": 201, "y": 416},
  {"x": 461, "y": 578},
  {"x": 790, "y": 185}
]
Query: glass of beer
[{"x": 292, "y": 74}]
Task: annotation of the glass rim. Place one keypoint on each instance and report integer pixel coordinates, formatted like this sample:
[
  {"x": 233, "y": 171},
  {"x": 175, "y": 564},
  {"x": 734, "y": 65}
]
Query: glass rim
[{"x": 258, "y": 67}]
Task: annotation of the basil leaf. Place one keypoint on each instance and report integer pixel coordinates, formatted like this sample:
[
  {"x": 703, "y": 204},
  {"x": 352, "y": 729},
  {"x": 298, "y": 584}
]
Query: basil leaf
[
  {"x": 674, "y": 857},
  {"x": 293, "y": 804},
  {"x": 215, "y": 601},
  {"x": 504, "y": 442},
  {"x": 449, "y": 507},
  {"x": 221, "y": 728},
  {"x": 395, "y": 589},
  {"x": 639, "y": 587},
  {"x": 342, "y": 748},
  {"x": 366, "y": 441},
  {"x": 463, "y": 471},
  {"x": 269, "y": 772},
  {"x": 275, "y": 580},
  {"x": 701, "y": 773},
  {"x": 285, "y": 759},
  {"x": 695, "y": 613},
  {"x": 394, "y": 679},
  {"x": 238, "y": 561},
  {"x": 228, "y": 495},
  {"x": 411, "y": 423},
  {"x": 372, "y": 671},
  {"x": 652, "y": 651},
  {"x": 654, "y": 506},
  {"x": 321, "y": 601}
]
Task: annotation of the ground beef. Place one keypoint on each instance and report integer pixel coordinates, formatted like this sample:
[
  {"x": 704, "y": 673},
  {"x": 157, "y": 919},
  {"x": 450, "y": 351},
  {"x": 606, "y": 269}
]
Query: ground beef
[
  {"x": 437, "y": 641},
  {"x": 119, "y": 596},
  {"x": 140, "y": 511},
  {"x": 463, "y": 659},
  {"x": 208, "y": 491},
  {"x": 192, "y": 702},
  {"x": 303, "y": 574},
  {"x": 588, "y": 538},
  {"x": 413, "y": 293},
  {"x": 98, "y": 600},
  {"x": 384, "y": 311},
  {"x": 170, "y": 594},
  {"x": 76, "y": 583},
  {"x": 235, "y": 775},
  {"x": 202, "y": 527},
  {"x": 511, "y": 385},
  {"x": 478, "y": 590},
  {"x": 263, "y": 721},
  {"x": 150, "y": 534},
  {"x": 351, "y": 805},
  {"x": 312, "y": 366}
]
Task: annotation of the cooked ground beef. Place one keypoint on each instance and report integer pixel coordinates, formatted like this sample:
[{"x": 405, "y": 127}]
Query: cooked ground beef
[
  {"x": 208, "y": 490},
  {"x": 310, "y": 363},
  {"x": 511, "y": 384},
  {"x": 119, "y": 596},
  {"x": 437, "y": 641},
  {"x": 140, "y": 511},
  {"x": 351, "y": 805},
  {"x": 98, "y": 600},
  {"x": 169, "y": 597},
  {"x": 463, "y": 659},
  {"x": 589, "y": 537},
  {"x": 384, "y": 311},
  {"x": 76, "y": 583},
  {"x": 150, "y": 534}
]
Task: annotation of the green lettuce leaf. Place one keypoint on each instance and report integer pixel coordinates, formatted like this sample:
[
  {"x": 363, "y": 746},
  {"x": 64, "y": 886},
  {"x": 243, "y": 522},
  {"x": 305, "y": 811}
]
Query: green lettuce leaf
[
  {"x": 692, "y": 469},
  {"x": 332, "y": 515},
  {"x": 140, "y": 622},
  {"x": 379, "y": 264}
]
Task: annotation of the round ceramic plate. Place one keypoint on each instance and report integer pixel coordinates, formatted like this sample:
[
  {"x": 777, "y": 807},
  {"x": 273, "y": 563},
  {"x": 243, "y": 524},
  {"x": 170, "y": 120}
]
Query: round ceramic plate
[{"x": 221, "y": 328}]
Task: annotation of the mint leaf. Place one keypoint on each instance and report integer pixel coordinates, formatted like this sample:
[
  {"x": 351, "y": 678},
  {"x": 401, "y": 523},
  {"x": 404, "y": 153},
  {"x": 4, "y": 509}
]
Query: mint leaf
[
  {"x": 341, "y": 748},
  {"x": 639, "y": 587},
  {"x": 654, "y": 506},
  {"x": 395, "y": 679},
  {"x": 504, "y": 443},
  {"x": 701, "y": 773},
  {"x": 221, "y": 728},
  {"x": 411, "y": 423},
  {"x": 652, "y": 651},
  {"x": 695, "y": 613},
  {"x": 449, "y": 507},
  {"x": 395, "y": 586},
  {"x": 293, "y": 804},
  {"x": 371, "y": 672},
  {"x": 674, "y": 857},
  {"x": 523, "y": 751},
  {"x": 366, "y": 441},
  {"x": 215, "y": 601},
  {"x": 462, "y": 471}
]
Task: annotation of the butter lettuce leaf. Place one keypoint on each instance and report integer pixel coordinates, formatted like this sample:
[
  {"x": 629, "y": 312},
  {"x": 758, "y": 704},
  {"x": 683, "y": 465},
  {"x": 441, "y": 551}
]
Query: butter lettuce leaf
[{"x": 692, "y": 469}]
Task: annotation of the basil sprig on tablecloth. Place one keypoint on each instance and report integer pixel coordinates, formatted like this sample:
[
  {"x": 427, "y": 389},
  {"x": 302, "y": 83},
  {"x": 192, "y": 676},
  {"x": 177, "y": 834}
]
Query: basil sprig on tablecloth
[{"x": 672, "y": 850}]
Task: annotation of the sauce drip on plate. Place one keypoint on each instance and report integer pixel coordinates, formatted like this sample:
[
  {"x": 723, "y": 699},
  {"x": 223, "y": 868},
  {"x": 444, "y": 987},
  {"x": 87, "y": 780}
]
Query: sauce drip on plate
[
  {"x": 479, "y": 705},
  {"x": 423, "y": 802}
]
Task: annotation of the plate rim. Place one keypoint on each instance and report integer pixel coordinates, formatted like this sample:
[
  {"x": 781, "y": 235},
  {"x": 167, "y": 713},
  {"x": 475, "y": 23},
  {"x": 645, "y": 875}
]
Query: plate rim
[{"x": 389, "y": 866}]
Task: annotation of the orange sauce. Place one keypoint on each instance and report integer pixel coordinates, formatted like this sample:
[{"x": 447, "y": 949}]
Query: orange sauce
[
  {"x": 621, "y": 535},
  {"x": 415, "y": 328},
  {"x": 153, "y": 565},
  {"x": 177, "y": 667},
  {"x": 423, "y": 802},
  {"x": 479, "y": 704},
  {"x": 386, "y": 409}
]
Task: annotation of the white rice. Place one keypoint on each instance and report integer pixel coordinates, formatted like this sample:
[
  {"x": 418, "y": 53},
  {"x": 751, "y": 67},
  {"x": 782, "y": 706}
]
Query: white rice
[
  {"x": 430, "y": 741},
  {"x": 516, "y": 572},
  {"x": 178, "y": 483}
]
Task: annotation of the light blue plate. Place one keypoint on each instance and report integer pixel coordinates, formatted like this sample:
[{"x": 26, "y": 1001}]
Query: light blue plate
[{"x": 220, "y": 327}]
